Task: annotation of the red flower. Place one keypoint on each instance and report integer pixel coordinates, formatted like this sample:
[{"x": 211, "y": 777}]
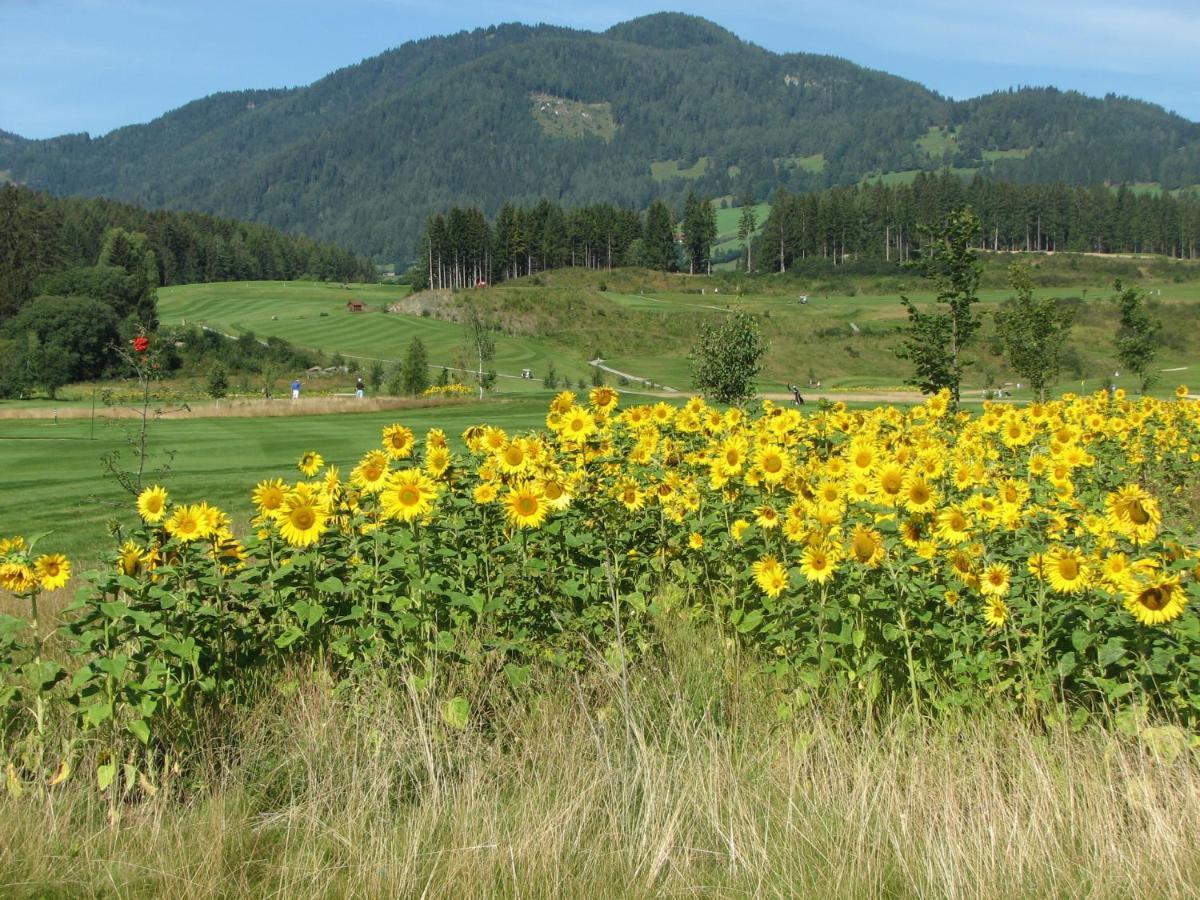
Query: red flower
[{"x": 141, "y": 343}]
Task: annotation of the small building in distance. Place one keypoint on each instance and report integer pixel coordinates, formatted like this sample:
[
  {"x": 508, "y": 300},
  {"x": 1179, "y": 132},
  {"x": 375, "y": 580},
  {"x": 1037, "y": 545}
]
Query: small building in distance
[{"x": 356, "y": 306}]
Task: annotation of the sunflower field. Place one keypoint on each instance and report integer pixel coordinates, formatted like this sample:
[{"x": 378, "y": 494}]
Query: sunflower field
[{"x": 1038, "y": 558}]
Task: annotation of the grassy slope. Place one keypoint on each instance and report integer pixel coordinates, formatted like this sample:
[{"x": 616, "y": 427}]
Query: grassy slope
[
  {"x": 727, "y": 226},
  {"x": 646, "y": 323},
  {"x": 314, "y": 315}
]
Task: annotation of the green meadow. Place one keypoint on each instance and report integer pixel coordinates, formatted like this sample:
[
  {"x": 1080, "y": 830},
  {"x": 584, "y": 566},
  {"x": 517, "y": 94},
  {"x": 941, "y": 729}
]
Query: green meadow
[
  {"x": 54, "y": 482},
  {"x": 314, "y": 315},
  {"x": 644, "y": 324}
]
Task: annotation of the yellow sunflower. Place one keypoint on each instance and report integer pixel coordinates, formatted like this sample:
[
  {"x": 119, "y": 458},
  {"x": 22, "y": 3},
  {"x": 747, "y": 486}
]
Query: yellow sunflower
[
  {"x": 437, "y": 461},
  {"x": 269, "y": 496},
  {"x": 731, "y": 457},
  {"x": 17, "y": 578},
  {"x": 604, "y": 399},
  {"x": 53, "y": 571},
  {"x": 818, "y": 563},
  {"x": 13, "y": 544},
  {"x": 370, "y": 475},
  {"x": 303, "y": 517},
  {"x": 408, "y": 495},
  {"x": 555, "y": 490},
  {"x": 953, "y": 525},
  {"x": 772, "y": 460},
  {"x": 188, "y": 523},
  {"x": 766, "y": 517},
  {"x": 398, "y": 441},
  {"x": 310, "y": 463},
  {"x": 1156, "y": 601},
  {"x": 890, "y": 482},
  {"x": 485, "y": 492},
  {"x": 577, "y": 425},
  {"x": 1066, "y": 569},
  {"x": 770, "y": 576},
  {"x": 1133, "y": 512},
  {"x": 152, "y": 504},
  {"x": 866, "y": 546},
  {"x": 630, "y": 495},
  {"x": 524, "y": 505},
  {"x": 995, "y": 611},
  {"x": 515, "y": 458},
  {"x": 995, "y": 580},
  {"x": 918, "y": 494},
  {"x": 131, "y": 559}
]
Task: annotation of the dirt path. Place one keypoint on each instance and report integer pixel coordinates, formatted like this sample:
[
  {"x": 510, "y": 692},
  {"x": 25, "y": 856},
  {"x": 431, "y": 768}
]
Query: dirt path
[
  {"x": 638, "y": 379},
  {"x": 853, "y": 396}
]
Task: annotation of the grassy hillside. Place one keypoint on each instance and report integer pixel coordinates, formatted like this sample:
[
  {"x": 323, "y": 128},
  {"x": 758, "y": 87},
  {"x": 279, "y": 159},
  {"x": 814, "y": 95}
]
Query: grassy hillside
[
  {"x": 645, "y": 323},
  {"x": 314, "y": 315}
]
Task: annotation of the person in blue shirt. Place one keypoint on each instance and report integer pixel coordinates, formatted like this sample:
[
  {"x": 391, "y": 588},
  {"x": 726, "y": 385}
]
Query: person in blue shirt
[{"x": 296, "y": 389}]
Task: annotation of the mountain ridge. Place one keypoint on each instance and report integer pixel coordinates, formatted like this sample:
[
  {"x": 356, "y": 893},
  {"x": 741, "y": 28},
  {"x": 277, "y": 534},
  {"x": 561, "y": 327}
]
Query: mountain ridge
[{"x": 364, "y": 154}]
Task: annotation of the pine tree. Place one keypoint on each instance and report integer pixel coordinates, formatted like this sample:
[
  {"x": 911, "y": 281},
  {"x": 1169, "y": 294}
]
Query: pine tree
[
  {"x": 658, "y": 247},
  {"x": 415, "y": 371},
  {"x": 747, "y": 224}
]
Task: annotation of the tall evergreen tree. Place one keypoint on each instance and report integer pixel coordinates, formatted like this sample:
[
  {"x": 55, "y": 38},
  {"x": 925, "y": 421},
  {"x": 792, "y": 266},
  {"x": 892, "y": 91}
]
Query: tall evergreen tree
[
  {"x": 658, "y": 245},
  {"x": 747, "y": 224},
  {"x": 414, "y": 374}
]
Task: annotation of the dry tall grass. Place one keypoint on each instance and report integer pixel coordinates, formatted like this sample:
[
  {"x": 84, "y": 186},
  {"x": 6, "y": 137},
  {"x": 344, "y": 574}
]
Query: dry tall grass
[
  {"x": 213, "y": 409},
  {"x": 690, "y": 788}
]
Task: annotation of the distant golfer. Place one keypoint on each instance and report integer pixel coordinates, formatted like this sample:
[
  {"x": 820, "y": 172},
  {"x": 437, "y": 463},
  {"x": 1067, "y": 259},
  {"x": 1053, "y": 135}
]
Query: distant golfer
[
  {"x": 296, "y": 389},
  {"x": 796, "y": 398},
  {"x": 359, "y": 388}
]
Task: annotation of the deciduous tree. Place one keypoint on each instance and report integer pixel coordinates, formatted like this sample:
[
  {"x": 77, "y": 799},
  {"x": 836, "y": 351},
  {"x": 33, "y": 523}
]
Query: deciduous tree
[
  {"x": 1137, "y": 334},
  {"x": 727, "y": 358},
  {"x": 936, "y": 341},
  {"x": 1033, "y": 332}
]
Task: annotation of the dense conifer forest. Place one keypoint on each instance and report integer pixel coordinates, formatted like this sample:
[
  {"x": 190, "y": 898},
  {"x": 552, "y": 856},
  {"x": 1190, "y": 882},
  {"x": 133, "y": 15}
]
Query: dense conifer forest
[
  {"x": 63, "y": 245},
  {"x": 877, "y": 221}
]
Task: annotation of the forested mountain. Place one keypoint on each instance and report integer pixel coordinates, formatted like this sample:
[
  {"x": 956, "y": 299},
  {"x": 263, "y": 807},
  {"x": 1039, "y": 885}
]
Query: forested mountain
[{"x": 652, "y": 107}]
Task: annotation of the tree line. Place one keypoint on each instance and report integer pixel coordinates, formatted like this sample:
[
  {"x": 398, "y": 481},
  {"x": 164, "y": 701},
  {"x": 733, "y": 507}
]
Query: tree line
[
  {"x": 881, "y": 221},
  {"x": 79, "y": 277},
  {"x": 461, "y": 247},
  {"x": 1032, "y": 332},
  {"x": 44, "y": 236}
]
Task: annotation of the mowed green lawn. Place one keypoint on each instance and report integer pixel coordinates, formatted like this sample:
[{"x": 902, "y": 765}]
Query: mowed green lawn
[
  {"x": 314, "y": 315},
  {"x": 845, "y": 339},
  {"x": 53, "y": 478}
]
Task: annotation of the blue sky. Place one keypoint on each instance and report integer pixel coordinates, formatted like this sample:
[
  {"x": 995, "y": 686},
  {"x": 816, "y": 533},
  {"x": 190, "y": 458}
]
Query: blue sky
[{"x": 93, "y": 65}]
